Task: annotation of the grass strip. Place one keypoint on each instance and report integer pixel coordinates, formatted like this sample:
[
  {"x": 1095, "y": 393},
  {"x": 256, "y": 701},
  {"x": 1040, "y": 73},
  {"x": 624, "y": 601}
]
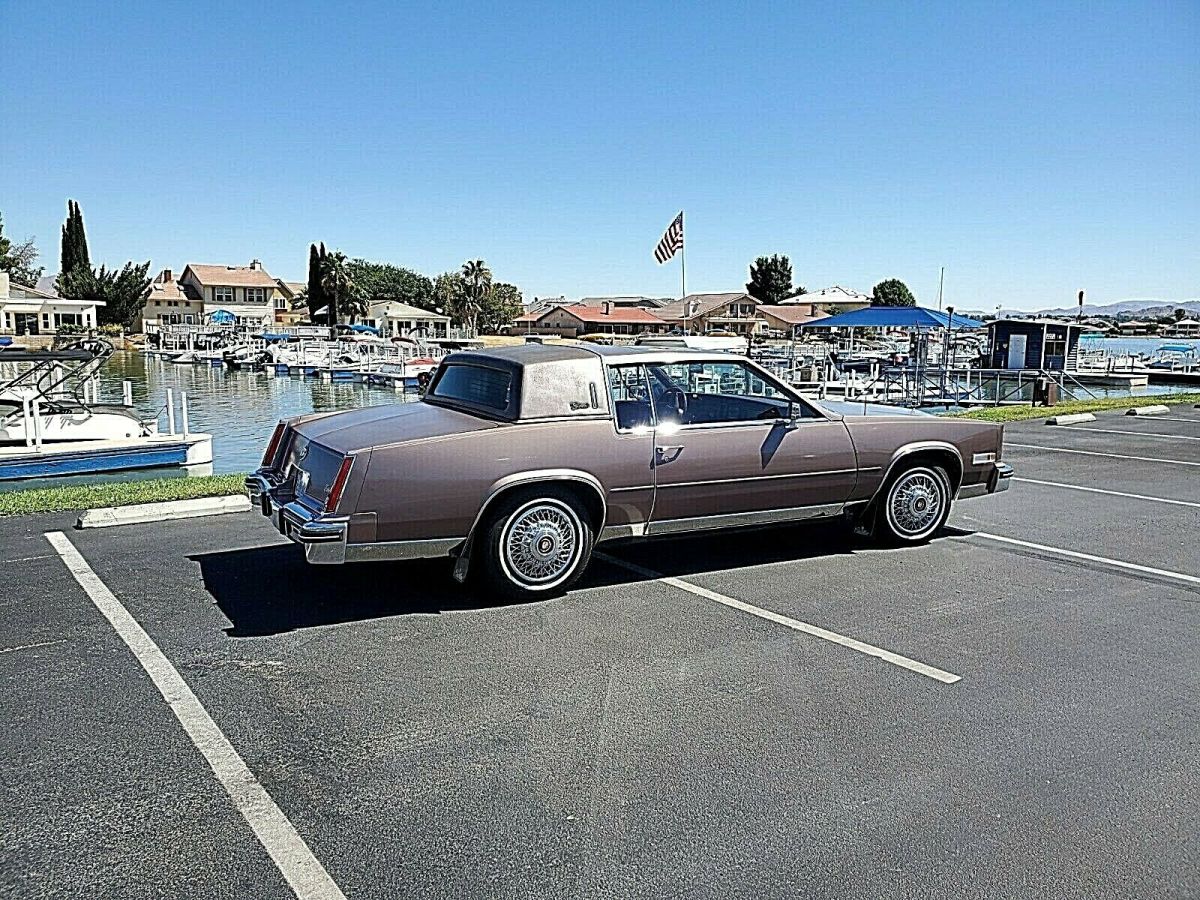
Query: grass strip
[
  {"x": 1018, "y": 413},
  {"x": 116, "y": 493}
]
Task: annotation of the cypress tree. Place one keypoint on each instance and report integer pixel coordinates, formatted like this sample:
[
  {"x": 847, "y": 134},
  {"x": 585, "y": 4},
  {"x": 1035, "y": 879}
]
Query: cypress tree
[
  {"x": 316, "y": 293},
  {"x": 74, "y": 241}
]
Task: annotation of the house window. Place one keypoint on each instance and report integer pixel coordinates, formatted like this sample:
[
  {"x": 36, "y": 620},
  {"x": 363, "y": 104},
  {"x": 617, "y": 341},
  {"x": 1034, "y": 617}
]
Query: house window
[
  {"x": 281, "y": 302},
  {"x": 61, "y": 319},
  {"x": 256, "y": 295},
  {"x": 222, "y": 295}
]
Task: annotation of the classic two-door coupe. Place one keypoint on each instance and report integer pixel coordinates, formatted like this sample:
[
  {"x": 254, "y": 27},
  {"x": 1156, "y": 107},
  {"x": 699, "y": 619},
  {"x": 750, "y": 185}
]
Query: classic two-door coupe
[{"x": 516, "y": 461}]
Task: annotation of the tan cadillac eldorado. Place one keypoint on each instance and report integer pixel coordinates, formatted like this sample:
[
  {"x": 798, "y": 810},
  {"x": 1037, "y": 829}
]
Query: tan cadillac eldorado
[{"x": 517, "y": 461}]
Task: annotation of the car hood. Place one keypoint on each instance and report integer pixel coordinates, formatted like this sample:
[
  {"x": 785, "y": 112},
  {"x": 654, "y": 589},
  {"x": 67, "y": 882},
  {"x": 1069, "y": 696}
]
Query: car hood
[
  {"x": 393, "y": 423},
  {"x": 850, "y": 408}
]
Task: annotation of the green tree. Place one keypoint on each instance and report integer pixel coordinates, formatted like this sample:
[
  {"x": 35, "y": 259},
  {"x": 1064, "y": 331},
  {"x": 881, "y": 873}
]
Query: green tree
[
  {"x": 314, "y": 294},
  {"x": 770, "y": 279},
  {"x": 123, "y": 292},
  {"x": 74, "y": 255},
  {"x": 18, "y": 259},
  {"x": 476, "y": 285},
  {"x": 502, "y": 304},
  {"x": 337, "y": 284},
  {"x": 892, "y": 292},
  {"x": 385, "y": 283},
  {"x": 448, "y": 288},
  {"x": 1180, "y": 314}
]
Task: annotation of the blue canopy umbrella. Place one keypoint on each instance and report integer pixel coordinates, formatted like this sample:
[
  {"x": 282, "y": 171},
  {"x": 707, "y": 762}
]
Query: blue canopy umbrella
[
  {"x": 221, "y": 317},
  {"x": 912, "y": 317}
]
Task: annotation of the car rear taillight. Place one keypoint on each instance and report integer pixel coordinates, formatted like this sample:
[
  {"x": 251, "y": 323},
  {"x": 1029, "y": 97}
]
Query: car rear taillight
[
  {"x": 339, "y": 483},
  {"x": 273, "y": 446}
]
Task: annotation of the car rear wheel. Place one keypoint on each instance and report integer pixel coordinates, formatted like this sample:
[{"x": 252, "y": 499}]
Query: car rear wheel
[
  {"x": 914, "y": 506},
  {"x": 535, "y": 544}
]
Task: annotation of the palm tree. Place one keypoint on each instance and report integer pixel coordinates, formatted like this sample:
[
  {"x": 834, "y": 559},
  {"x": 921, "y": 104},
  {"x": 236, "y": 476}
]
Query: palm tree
[
  {"x": 339, "y": 287},
  {"x": 477, "y": 284}
]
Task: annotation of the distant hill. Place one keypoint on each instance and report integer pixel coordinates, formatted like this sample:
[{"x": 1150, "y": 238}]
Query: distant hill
[{"x": 1148, "y": 308}]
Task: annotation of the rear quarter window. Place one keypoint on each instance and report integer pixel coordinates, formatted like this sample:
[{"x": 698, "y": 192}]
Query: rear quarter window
[{"x": 475, "y": 385}]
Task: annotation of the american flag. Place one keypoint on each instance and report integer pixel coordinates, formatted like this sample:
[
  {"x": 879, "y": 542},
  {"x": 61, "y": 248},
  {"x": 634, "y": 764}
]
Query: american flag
[{"x": 672, "y": 241}]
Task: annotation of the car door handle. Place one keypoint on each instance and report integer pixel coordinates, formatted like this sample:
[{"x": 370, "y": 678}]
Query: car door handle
[{"x": 667, "y": 454}]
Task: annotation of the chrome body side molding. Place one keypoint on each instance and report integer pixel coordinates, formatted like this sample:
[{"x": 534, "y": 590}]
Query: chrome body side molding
[{"x": 755, "y": 517}]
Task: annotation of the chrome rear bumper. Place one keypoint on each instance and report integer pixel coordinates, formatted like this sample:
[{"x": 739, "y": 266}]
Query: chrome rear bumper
[
  {"x": 325, "y": 538},
  {"x": 1000, "y": 480},
  {"x": 322, "y": 537}
]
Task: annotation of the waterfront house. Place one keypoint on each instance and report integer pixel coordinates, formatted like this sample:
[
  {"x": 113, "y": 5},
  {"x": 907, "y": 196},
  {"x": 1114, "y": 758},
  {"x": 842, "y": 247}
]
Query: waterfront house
[
  {"x": 834, "y": 300},
  {"x": 288, "y": 309},
  {"x": 1034, "y": 344},
  {"x": 786, "y": 318},
  {"x": 1134, "y": 327},
  {"x": 27, "y": 310},
  {"x": 1186, "y": 328},
  {"x": 735, "y": 311},
  {"x": 574, "y": 320},
  {"x": 396, "y": 319},
  {"x": 248, "y": 292},
  {"x": 168, "y": 304}
]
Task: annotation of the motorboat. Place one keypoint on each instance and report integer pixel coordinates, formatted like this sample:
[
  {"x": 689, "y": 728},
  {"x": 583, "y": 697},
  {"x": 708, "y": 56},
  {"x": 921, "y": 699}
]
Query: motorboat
[
  {"x": 1175, "y": 358},
  {"x": 49, "y": 401}
]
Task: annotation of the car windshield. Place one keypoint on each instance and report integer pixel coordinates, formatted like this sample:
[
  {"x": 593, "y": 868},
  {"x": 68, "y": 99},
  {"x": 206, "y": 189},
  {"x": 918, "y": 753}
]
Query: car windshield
[{"x": 475, "y": 385}]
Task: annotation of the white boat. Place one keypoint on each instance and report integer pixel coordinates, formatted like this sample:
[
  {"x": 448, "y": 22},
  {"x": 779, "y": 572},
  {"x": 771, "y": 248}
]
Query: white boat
[
  {"x": 62, "y": 420},
  {"x": 49, "y": 401}
]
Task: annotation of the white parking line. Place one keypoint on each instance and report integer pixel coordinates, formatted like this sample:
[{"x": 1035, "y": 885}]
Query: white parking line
[
  {"x": 1153, "y": 459},
  {"x": 833, "y": 637},
  {"x": 1092, "y": 490},
  {"x": 303, "y": 872},
  {"x": 1149, "y": 434},
  {"x": 1075, "y": 554}
]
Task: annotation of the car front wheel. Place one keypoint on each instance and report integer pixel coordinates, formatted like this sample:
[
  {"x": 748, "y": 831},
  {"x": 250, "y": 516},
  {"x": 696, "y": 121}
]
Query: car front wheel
[
  {"x": 536, "y": 545},
  {"x": 914, "y": 505}
]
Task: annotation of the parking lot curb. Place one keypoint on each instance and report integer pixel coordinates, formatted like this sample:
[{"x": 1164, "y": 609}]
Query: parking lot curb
[
  {"x": 1072, "y": 419},
  {"x": 138, "y": 513},
  {"x": 1156, "y": 410}
]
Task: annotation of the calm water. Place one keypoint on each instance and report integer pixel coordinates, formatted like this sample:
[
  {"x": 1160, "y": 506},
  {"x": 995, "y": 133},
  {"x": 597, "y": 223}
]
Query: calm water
[
  {"x": 1143, "y": 346},
  {"x": 238, "y": 409}
]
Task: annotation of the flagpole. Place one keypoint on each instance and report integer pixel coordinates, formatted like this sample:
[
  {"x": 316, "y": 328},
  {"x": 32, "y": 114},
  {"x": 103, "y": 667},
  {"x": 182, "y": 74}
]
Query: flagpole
[{"x": 683, "y": 260}]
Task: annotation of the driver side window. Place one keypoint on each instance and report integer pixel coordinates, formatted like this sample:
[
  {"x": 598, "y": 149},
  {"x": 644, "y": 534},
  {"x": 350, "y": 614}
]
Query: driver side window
[{"x": 705, "y": 393}]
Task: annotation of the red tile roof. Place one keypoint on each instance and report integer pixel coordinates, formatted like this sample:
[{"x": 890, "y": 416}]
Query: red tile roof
[
  {"x": 793, "y": 314},
  {"x": 623, "y": 315}
]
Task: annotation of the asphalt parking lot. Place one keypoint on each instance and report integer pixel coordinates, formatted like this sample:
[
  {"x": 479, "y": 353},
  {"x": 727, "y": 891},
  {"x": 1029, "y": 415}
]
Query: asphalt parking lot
[{"x": 702, "y": 717}]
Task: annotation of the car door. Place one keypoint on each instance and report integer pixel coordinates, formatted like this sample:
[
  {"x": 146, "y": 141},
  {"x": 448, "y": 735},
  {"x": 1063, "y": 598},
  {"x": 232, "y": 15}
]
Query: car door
[{"x": 727, "y": 450}]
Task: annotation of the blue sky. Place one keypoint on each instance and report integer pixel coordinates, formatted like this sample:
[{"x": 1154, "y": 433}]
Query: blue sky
[{"x": 1032, "y": 149}]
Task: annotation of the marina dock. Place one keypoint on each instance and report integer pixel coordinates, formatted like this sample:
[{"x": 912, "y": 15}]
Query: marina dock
[{"x": 92, "y": 457}]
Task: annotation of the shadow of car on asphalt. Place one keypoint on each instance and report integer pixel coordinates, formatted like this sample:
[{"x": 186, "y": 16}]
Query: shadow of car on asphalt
[{"x": 271, "y": 590}]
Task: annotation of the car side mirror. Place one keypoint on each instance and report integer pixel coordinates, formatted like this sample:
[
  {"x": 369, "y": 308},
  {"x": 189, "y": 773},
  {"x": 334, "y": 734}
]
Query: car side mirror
[{"x": 795, "y": 411}]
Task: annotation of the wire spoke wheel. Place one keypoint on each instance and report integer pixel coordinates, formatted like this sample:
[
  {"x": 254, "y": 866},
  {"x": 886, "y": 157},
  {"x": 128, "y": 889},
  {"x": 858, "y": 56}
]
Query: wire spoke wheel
[
  {"x": 541, "y": 543},
  {"x": 916, "y": 503}
]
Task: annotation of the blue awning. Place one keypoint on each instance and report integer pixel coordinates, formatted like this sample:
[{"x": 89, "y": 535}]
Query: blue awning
[
  {"x": 222, "y": 317},
  {"x": 365, "y": 329},
  {"x": 912, "y": 317}
]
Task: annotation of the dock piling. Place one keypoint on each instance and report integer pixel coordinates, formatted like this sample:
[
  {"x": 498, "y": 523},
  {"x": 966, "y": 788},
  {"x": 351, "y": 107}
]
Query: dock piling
[
  {"x": 183, "y": 411},
  {"x": 127, "y": 393},
  {"x": 170, "y": 411}
]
